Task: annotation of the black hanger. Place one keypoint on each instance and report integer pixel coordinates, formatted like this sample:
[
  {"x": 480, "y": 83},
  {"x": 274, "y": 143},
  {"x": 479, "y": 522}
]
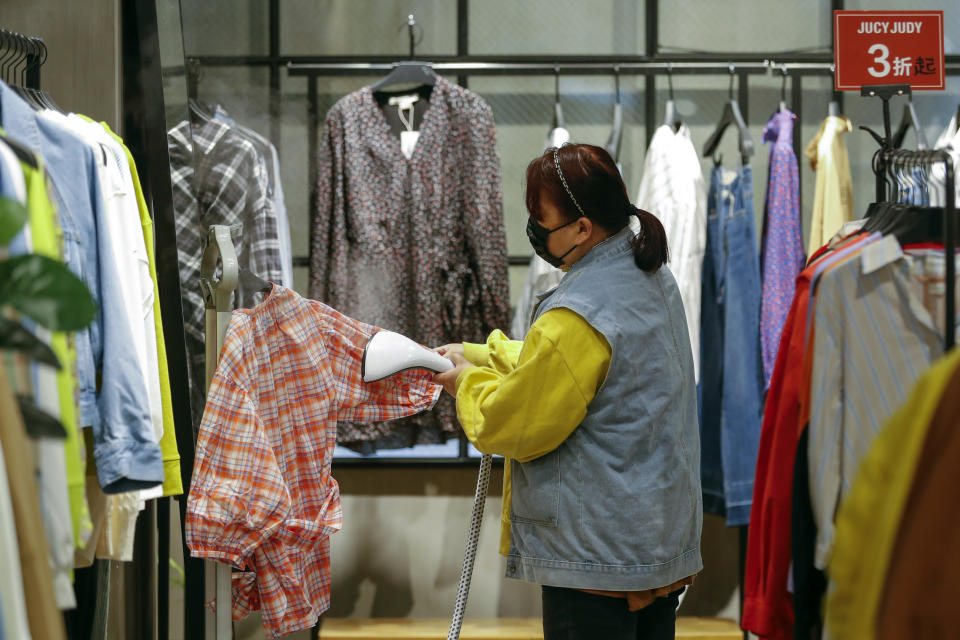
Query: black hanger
[
  {"x": 670, "y": 115},
  {"x": 616, "y": 133},
  {"x": 731, "y": 115},
  {"x": 407, "y": 73},
  {"x": 909, "y": 119}
]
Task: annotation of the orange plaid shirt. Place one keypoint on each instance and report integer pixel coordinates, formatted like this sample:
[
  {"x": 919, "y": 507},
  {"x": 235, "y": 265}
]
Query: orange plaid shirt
[{"x": 262, "y": 497}]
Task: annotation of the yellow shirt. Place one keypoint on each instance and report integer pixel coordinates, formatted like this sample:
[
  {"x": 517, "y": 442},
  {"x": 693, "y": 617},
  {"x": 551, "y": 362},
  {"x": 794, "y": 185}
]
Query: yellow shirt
[
  {"x": 869, "y": 518},
  {"x": 47, "y": 241},
  {"x": 521, "y": 400},
  {"x": 833, "y": 194}
]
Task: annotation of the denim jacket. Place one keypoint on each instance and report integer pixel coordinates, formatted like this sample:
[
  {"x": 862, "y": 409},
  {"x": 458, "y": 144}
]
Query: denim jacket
[
  {"x": 127, "y": 455},
  {"x": 618, "y": 504}
]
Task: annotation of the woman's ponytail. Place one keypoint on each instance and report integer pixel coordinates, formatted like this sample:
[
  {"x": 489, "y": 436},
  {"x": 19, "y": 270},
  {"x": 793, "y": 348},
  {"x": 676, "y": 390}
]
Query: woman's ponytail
[{"x": 650, "y": 243}]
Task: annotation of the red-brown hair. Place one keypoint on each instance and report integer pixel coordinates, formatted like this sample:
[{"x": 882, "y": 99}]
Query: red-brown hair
[{"x": 595, "y": 182}]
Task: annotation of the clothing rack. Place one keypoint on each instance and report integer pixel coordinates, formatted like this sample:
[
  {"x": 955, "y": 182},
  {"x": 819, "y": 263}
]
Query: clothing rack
[{"x": 888, "y": 157}]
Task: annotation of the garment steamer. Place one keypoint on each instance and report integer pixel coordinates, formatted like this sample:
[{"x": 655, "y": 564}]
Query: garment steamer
[{"x": 388, "y": 353}]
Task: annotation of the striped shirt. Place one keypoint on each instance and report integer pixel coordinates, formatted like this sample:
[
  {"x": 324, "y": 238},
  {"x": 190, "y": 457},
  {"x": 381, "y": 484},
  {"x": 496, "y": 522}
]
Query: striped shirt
[
  {"x": 873, "y": 337},
  {"x": 262, "y": 497}
]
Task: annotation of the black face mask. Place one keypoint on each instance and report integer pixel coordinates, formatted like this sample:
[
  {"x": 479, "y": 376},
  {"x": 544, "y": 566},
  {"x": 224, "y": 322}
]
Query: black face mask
[{"x": 538, "y": 234}]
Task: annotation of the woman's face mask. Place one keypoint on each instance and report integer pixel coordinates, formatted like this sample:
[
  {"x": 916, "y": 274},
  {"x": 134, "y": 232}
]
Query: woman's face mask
[{"x": 538, "y": 234}]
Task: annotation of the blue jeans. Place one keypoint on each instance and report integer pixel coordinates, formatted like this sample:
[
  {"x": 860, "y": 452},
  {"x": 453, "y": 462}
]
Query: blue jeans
[{"x": 731, "y": 373}]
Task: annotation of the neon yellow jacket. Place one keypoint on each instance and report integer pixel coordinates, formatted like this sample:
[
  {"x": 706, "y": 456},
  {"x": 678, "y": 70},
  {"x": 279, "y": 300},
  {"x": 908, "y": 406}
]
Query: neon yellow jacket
[{"x": 522, "y": 399}]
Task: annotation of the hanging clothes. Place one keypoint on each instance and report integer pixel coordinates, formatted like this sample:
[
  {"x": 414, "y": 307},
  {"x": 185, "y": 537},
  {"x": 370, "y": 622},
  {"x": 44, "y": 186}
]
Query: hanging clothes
[
  {"x": 731, "y": 373},
  {"x": 833, "y": 194},
  {"x": 949, "y": 141},
  {"x": 673, "y": 189},
  {"x": 413, "y": 245},
  {"x": 781, "y": 250},
  {"x": 884, "y": 493},
  {"x": 262, "y": 497},
  {"x": 217, "y": 177},
  {"x": 116, "y": 404},
  {"x": 870, "y": 324},
  {"x": 541, "y": 277}
]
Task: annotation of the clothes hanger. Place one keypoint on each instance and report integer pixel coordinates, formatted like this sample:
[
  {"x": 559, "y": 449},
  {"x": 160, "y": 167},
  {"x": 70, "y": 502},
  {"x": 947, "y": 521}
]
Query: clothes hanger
[
  {"x": 731, "y": 115},
  {"x": 407, "y": 73},
  {"x": 907, "y": 120},
  {"x": 558, "y": 134},
  {"x": 783, "y": 89},
  {"x": 613, "y": 142},
  {"x": 670, "y": 116}
]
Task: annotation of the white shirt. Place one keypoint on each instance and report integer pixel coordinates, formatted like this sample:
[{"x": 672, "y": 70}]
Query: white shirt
[
  {"x": 12, "y": 600},
  {"x": 673, "y": 189},
  {"x": 116, "y": 523},
  {"x": 949, "y": 140}
]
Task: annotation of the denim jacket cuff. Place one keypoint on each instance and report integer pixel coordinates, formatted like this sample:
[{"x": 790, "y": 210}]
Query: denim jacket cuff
[{"x": 128, "y": 465}]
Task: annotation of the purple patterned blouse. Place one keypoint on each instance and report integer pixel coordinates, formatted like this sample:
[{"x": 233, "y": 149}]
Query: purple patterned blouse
[
  {"x": 781, "y": 253},
  {"x": 413, "y": 245}
]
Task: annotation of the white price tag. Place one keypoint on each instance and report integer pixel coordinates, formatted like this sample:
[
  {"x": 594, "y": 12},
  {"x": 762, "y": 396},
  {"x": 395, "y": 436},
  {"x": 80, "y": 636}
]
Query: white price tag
[{"x": 408, "y": 141}]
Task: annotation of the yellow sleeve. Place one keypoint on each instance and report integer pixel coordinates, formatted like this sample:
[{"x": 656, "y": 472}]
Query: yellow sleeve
[
  {"x": 525, "y": 408},
  {"x": 498, "y": 345}
]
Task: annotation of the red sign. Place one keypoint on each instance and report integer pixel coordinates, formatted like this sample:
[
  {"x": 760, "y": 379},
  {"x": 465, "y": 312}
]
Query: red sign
[{"x": 888, "y": 47}]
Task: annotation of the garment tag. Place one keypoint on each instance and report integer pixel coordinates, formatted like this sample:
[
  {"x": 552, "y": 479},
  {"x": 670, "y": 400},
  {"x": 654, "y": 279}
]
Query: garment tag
[
  {"x": 879, "y": 254},
  {"x": 408, "y": 140},
  {"x": 403, "y": 102}
]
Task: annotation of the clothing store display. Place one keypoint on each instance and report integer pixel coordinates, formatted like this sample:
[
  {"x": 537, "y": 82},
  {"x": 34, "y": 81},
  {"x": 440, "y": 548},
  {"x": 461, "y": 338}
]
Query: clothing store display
[
  {"x": 416, "y": 245},
  {"x": 672, "y": 188},
  {"x": 117, "y": 408},
  {"x": 872, "y": 514},
  {"x": 262, "y": 497},
  {"x": 560, "y": 499},
  {"x": 919, "y": 578},
  {"x": 731, "y": 374},
  {"x": 768, "y": 605},
  {"x": 781, "y": 249},
  {"x": 218, "y": 177},
  {"x": 833, "y": 194},
  {"x": 949, "y": 141},
  {"x": 872, "y": 295}
]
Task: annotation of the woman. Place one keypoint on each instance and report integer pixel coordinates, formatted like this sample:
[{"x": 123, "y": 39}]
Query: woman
[{"x": 595, "y": 411}]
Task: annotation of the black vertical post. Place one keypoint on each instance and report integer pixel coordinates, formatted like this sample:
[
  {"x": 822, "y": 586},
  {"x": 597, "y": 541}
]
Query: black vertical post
[
  {"x": 837, "y": 96},
  {"x": 463, "y": 36},
  {"x": 651, "y": 47},
  {"x": 274, "y": 50},
  {"x": 144, "y": 131}
]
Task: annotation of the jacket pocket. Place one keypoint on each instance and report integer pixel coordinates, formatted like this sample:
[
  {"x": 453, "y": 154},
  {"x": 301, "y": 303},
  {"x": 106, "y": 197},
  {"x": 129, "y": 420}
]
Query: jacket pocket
[{"x": 535, "y": 490}]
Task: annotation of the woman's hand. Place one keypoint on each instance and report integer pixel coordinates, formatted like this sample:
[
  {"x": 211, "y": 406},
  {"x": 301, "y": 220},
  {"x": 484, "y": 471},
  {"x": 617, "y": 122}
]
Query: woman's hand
[
  {"x": 449, "y": 379},
  {"x": 456, "y": 347}
]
